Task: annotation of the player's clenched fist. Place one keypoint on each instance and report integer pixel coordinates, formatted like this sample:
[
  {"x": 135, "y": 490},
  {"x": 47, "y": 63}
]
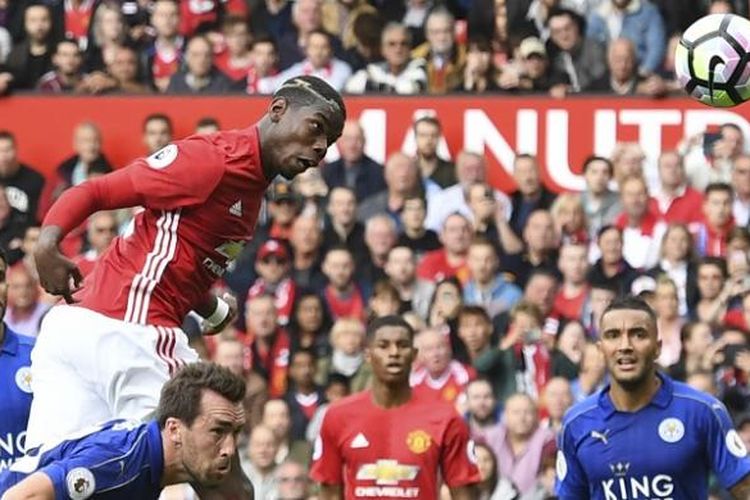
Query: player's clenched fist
[{"x": 57, "y": 274}]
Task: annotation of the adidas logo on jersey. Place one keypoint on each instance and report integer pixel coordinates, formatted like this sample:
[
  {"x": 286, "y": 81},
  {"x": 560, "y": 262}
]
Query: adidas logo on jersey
[
  {"x": 236, "y": 209},
  {"x": 360, "y": 441}
]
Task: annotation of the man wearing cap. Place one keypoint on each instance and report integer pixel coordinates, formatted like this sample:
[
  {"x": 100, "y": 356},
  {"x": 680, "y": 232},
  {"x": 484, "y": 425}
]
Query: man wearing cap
[
  {"x": 274, "y": 278},
  {"x": 534, "y": 74}
]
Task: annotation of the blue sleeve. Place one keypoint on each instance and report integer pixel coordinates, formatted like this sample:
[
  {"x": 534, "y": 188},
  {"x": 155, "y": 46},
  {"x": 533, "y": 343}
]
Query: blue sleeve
[
  {"x": 656, "y": 40},
  {"x": 570, "y": 478},
  {"x": 726, "y": 451},
  {"x": 596, "y": 29}
]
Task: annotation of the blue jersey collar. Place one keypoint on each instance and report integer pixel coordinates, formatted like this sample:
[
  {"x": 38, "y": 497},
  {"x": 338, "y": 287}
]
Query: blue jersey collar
[
  {"x": 10, "y": 343},
  {"x": 661, "y": 399},
  {"x": 156, "y": 450}
]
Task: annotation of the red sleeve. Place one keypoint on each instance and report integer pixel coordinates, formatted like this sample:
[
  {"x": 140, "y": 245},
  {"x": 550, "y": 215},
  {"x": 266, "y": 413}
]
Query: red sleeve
[
  {"x": 458, "y": 462},
  {"x": 327, "y": 463}
]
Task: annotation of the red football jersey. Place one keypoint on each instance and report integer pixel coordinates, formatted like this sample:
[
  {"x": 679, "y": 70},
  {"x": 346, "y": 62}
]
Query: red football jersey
[
  {"x": 202, "y": 196},
  {"x": 393, "y": 453}
]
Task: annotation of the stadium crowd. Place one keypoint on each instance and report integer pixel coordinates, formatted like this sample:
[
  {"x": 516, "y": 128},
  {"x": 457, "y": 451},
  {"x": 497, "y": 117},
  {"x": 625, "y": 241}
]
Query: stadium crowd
[{"x": 505, "y": 289}]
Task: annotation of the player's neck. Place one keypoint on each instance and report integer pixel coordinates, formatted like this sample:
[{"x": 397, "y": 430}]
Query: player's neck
[
  {"x": 174, "y": 472},
  {"x": 267, "y": 144},
  {"x": 2, "y": 332},
  {"x": 633, "y": 399},
  {"x": 390, "y": 396}
]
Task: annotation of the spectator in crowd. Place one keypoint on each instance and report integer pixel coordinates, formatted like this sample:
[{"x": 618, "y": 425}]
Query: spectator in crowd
[
  {"x": 677, "y": 262},
  {"x": 157, "y": 130},
  {"x": 271, "y": 18},
  {"x": 569, "y": 345},
  {"x": 199, "y": 75},
  {"x": 720, "y": 149},
  {"x": 336, "y": 388},
  {"x": 354, "y": 170},
  {"x": 207, "y": 125},
  {"x": 235, "y": 58},
  {"x": 267, "y": 345},
  {"x": 540, "y": 290},
  {"x": 163, "y": 56},
  {"x": 710, "y": 235},
  {"x": 569, "y": 219},
  {"x": 622, "y": 77},
  {"x": 13, "y": 227},
  {"x": 347, "y": 355},
  {"x": 384, "y": 300},
  {"x": 309, "y": 324},
  {"x": 109, "y": 31},
  {"x": 637, "y": 21},
  {"x": 88, "y": 157},
  {"x": 451, "y": 259},
  {"x": 66, "y": 75},
  {"x": 32, "y": 58},
  {"x": 669, "y": 322},
  {"x": 400, "y": 268},
  {"x": 291, "y": 481},
  {"x": 344, "y": 299},
  {"x": 474, "y": 329},
  {"x": 600, "y": 204},
  {"x": 23, "y": 184},
  {"x": 480, "y": 75},
  {"x": 482, "y": 412},
  {"x": 413, "y": 233},
  {"x": 277, "y": 418},
  {"x": 533, "y": 72},
  {"x": 579, "y": 57},
  {"x": 402, "y": 180},
  {"x": 676, "y": 200},
  {"x": 592, "y": 375},
  {"x": 100, "y": 232},
  {"x": 74, "y": 18},
  {"x": 306, "y": 239},
  {"x": 342, "y": 227},
  {"x": 486, "y": 287},
  {"x": 25, "y": 310},
  {"x": 574, "y": 289},
  {"x": 362, "y": 37},
  {"x": 520, "y": 443},
  {"x": 380, "y": 237},
  {"x": 229, "y": 354},
  {"x": 307, "y": 16},
  {"x": 283, "y": 206},
  {"x": 319, "y": 61},
  {"x": 261, "y": 75},
  {"x": 601, "y": 295},
  {"x": 713, "y": 294},
  {"x": 642, "y": 229},
  {"x": 612, "y": 268},
  {"x": 445, "y": 305},
  {"x": 260, "y": 466},
  {"x": 311, "y": 187},
  {"x": 438, "y": 376},
  {"x": 303, "y": 396},
  {"x": 273, "y": 266},
  {"x": 490, "y": 212},
  {"x": 555, "y": 400},
  {"x": 539, "y": 248},
  {"x": 492, "y": 485},
  {"x": 398, "y": 73},
  {"x": 122, "y": 73},
  {"x": 741, "y": 186},
  {"x": 628, "y": 159},
  {"x": 445, "y": 59},
  {"x": 437, "y": 173},
  {"x": 530, "y": 194}
]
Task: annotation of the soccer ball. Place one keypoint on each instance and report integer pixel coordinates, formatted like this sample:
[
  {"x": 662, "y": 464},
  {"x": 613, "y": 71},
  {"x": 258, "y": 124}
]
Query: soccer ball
[{"x": 711, "y": 60}]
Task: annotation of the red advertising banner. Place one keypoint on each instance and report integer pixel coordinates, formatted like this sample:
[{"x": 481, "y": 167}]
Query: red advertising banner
[{"x": 560, "y": 132}]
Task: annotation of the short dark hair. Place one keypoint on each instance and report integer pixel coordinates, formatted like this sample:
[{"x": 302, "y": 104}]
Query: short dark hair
[
  {"x": 264, "y": 39},
  {"x": 66, "y": 40},
  {"x": 337, "y": 378},
  {"x": 731, "y": 125},
  {"x": 474, "y": 311},
  {"x": 429, "y": 120},
  {"x": 384, "y": 321},
  {"x": 605, "y": 228},
  {"x": 323, "y": 33},
  {"x": 302, "y": 350},
  {"x": 714, "y": 261},
  {"x": 181, "y": 396},
  {"x": 631, "y": 302},
  {"x": 207, "y": 121},
  {"x": 308, "y": 90},
  {"x": 233, "y": 20},
  {"x": 158, "y": 117},
  {"x": 8, "y": 136},
  {"x": 578, "y": 19},
  {"x": 717, "y": 187},
  {"x": 591, "y": 159}
]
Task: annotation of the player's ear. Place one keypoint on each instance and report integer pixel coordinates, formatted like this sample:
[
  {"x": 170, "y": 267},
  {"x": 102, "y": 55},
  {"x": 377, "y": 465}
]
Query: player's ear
[
  {"x": 277, "y": 108},
  {"x": 174, "y": 431}
]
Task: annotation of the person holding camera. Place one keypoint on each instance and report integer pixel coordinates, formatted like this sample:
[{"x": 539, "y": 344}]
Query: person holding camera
[{"x": 710, "y": 156}]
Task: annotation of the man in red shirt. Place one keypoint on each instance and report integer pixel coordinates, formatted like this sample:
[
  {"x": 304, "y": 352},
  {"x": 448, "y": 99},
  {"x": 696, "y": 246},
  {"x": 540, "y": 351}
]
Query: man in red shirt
[
  {"x": 574, "y": 290},
  {"x": 675, "y": 200},
  {"x": 710, "y": 235},
  {"x": 450, "y": 260},
  {"x": 440, "y": 376},
  {"x": 387, "y": 441},
  {"x": 201, "y": 197}
]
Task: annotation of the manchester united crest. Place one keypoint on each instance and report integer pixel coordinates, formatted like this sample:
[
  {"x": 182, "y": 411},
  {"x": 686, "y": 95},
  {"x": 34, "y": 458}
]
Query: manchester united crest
[{"x": 418, "y": 441}]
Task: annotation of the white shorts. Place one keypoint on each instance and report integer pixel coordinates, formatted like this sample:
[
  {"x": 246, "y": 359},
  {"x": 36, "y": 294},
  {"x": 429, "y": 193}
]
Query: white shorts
[{"x": 87, "y": 368}]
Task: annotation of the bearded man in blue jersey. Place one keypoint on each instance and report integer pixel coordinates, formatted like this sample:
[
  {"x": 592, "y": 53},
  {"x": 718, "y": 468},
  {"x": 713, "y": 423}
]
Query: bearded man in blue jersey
[
  {"x": 645, "y": 436},
  {"x": 193, "y": 439}
]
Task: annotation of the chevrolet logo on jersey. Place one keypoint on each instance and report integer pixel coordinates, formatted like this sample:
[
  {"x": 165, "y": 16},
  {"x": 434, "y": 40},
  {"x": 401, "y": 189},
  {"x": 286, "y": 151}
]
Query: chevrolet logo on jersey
[
  {"x": 230, "y": 249},
  {"x": 387, "y": 472}
]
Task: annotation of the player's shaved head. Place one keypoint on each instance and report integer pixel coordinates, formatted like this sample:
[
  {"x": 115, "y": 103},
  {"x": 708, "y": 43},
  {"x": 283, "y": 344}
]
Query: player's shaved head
[
  {"x": 388, "y": 321},
  {"x": 308, "y": 90}
]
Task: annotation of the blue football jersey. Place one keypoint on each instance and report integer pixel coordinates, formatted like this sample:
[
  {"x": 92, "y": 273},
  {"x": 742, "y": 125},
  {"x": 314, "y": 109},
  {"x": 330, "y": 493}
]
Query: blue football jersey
[
  {"x": 15, "y": 395},
  {"x": 120, "y": 460},
  {"x": 665, "y": 450}
]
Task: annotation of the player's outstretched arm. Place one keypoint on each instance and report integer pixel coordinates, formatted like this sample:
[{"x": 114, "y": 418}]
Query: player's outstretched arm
[
  {"x": 741, "y": 490},
  {"x": 37, "y": 486},
  {"x": 468, "y": 492},
  {"x": 331, "y": 492}
]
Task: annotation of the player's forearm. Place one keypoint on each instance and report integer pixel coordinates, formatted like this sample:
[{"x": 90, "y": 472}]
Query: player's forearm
[
  {"x": 37, "y": 486},
  {"x": 331, "y": 492},
  {"x": 741, "y": 490}
]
